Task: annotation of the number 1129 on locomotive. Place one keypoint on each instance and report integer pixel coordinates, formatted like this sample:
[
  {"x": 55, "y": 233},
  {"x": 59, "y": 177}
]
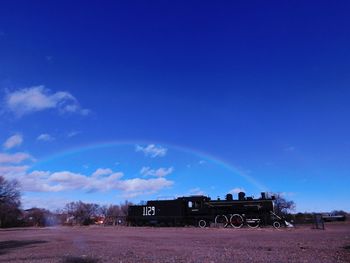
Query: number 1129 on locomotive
[{"x": 148, "y": 211}]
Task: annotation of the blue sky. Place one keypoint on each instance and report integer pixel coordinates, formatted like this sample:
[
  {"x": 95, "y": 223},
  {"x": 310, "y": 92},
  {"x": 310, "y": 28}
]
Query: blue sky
[{"x": 103, "y": 101}]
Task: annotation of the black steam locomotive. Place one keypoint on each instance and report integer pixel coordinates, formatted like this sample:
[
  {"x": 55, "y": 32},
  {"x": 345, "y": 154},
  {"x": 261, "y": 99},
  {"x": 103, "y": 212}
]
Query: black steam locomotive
[{"x": 201, "y": 211}]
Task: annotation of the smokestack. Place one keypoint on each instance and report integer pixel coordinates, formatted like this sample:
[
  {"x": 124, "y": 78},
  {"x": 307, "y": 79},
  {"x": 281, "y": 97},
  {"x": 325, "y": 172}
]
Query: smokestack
[{"x": 241, "y": 196}]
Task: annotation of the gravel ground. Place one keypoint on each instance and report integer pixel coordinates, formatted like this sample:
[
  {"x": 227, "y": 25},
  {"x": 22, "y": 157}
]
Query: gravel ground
[{"x": 97, "y": 244}]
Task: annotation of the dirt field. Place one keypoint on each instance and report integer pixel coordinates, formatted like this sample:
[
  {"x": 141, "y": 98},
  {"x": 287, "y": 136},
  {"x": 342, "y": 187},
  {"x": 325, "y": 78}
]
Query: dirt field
[{"x": 127, "y": 244}]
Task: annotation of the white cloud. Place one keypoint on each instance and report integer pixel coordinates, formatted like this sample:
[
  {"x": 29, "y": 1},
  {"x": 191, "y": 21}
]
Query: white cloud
[
  {"x": 13, "y": 170},
  {"x": 45, "y": 137},
  {"x": 201, "y": 162},
  {"x": 236, "y": 190},
  {"x": 138, "y": 185},
  {"x": 11, "y": 164},
  {"x": 14, "y": 140},
  {"x": 40, "y": 173},
  {"x": 38, "y": 98},
  {"x": 66, "y": 180},
  {"x": 14, "y": 158},
  {"x": 50, "y": 202},
  {"x": 101, "y": 172},
  {"x": 152, "y": 150},
  {"x": 103, "y": 179},
  {"x": 161, "y": 172}
]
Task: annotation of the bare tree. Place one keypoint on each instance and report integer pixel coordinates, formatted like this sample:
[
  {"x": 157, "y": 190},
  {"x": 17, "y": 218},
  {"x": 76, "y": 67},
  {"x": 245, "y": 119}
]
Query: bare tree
[
  {"x": 83, "y": 213},
  {"x": 103, "y": 210},
  {"x": 10, "y": 196},
  {"x": 113, "y": 212},
  {"x": 282, "y": 205},
  {"x": 70, "y": 208},
  {"x": 124, "y": 207},
  {"x": 39, "y": 217}
]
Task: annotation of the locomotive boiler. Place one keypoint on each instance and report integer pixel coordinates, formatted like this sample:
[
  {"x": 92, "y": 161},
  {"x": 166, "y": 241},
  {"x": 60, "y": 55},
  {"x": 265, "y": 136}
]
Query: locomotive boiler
[{"x": 202, "y": 211}]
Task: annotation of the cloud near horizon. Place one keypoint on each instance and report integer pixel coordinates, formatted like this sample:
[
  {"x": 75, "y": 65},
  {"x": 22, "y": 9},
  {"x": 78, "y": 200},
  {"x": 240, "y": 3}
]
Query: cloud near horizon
[
  {"x": 17, "y": 166},
  {"x": 38, "y": 98},
  {"x": 15, "y": 158},
  {"x": 103, "y": 179},
  {"x": 12, "y": 166}
]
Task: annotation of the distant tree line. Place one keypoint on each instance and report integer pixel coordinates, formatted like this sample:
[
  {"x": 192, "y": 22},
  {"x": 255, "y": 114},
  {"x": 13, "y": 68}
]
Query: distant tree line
[
  {"x": 74, "y": 213},
  {"x": 89, "y": 213}
]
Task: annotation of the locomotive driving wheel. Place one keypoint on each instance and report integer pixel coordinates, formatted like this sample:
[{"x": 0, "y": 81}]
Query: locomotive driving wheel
[
  {"x": 221, "y": 219},
  {"x": 276, "y": 224},
  {"x": 236, "y": 221},
  {"x": 202, "y": 223}
]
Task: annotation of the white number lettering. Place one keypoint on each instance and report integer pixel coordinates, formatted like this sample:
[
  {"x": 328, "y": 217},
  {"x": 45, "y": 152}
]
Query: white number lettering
[{"x": 148, "y": 211}]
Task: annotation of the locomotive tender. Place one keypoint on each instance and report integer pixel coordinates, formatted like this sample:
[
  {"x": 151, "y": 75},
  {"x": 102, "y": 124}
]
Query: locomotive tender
[{"x": 201, "y": 211}]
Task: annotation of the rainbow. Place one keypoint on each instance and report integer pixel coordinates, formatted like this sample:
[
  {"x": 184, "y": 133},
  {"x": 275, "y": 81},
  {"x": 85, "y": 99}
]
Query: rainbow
[{"x": 201, "y": 155}]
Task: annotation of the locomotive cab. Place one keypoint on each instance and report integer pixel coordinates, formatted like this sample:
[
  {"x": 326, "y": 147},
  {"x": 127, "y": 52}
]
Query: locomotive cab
[
  {"x": 198, "y": 212},
  {"x": 196, "y": 202}
]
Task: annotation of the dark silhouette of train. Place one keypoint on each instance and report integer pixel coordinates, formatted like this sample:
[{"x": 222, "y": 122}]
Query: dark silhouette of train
[{"x": 201, "y": 211}]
